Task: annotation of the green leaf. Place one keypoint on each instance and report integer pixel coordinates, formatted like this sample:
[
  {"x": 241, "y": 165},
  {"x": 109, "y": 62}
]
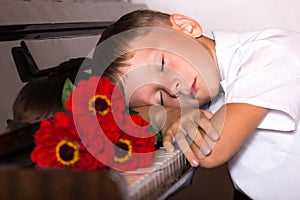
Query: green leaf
[
  {"x": 132, "y": 112},
  {"x": 156, "y": 133},
  {"x": 66, "y": 92}
]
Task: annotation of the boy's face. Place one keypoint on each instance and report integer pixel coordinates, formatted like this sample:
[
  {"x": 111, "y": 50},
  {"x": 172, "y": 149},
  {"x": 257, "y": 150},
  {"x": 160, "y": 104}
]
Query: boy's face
[
  {"x": 162, "y": 77},
  {"x": 170, "y": 69}
]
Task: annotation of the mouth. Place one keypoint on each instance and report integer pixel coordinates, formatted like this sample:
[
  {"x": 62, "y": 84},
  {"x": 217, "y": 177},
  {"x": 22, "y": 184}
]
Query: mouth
[{"x": 193, "y": 89}]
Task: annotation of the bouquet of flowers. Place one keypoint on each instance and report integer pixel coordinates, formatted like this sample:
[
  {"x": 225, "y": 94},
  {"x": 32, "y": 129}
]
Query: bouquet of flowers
[{"x": 96, "y": 131}]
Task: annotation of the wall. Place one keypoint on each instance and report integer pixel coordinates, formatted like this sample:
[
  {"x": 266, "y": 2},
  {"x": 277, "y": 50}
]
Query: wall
[{"x": 234, "y": 14}]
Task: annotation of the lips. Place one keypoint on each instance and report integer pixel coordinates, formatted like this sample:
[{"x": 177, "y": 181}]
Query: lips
[{"x": 194, "y": 88}]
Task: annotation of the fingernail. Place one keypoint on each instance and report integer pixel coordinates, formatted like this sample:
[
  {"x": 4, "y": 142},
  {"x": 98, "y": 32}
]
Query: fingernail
[
  {"x": 194, "y": 163},
  {"x": 205, "y": 150},
  {"x": 215, "y": 136},
  {"x": 169, "y": 147}
]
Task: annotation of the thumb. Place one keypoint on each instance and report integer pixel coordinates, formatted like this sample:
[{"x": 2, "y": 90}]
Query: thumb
[{"x": 167, "y": 142}]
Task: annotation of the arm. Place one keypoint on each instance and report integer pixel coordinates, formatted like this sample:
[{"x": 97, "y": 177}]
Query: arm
[
  {"x": 186, "y": 126},
  {"x": 235, "y": 123}
]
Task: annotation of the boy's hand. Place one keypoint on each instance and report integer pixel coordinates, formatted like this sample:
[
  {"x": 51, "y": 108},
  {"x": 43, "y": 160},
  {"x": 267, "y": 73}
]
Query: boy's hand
[{"x": 190, "y": 128}]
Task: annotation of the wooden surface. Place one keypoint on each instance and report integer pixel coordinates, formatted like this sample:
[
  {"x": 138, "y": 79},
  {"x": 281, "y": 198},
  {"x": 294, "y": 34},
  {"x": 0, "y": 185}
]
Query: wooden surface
[
  {"x": 55, "y": 184},
  {"x": 208, "y": 184}
]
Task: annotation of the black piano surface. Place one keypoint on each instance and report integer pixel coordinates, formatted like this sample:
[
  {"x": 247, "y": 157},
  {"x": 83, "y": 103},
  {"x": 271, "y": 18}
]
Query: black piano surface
[{"x": 19, "y": 178}]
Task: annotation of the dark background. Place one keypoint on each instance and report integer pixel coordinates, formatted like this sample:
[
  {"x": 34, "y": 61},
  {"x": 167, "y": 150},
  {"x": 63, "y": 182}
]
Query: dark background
[{"x": 208, "y": 184}]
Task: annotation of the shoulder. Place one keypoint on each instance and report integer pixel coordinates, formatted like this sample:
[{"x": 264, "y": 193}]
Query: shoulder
[{"x": 271, "y": 41}]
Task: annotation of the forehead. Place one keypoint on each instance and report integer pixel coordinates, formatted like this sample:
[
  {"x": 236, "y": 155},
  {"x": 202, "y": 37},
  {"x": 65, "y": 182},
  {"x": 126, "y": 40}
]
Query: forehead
[
  {"x": 144, "y": 57},
  {"x": 160, "y": 40},
  {"x": 141, "y": 65}
]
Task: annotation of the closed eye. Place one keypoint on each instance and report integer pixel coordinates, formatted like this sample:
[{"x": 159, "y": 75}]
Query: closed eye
[
  {"x": 161, "y": 98},
  {"x": 162, "y": 64}
]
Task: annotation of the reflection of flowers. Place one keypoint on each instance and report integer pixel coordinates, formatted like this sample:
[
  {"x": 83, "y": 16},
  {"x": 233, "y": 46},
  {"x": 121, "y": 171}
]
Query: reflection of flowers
[{"x": 98, "y": 140}]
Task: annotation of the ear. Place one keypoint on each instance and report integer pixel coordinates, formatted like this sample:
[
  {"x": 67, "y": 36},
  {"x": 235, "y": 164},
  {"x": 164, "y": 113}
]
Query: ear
[{"x": 186, "y": 25}]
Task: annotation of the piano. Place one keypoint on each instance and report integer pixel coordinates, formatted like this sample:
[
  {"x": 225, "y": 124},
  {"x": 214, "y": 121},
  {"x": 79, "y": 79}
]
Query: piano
[
  {"x": 19, "y": 179},
  {"x": 65, "y": 25}
]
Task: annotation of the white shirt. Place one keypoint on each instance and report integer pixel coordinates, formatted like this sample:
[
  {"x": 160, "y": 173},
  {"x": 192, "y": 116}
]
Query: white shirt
[{"x": 262, "y": 68}]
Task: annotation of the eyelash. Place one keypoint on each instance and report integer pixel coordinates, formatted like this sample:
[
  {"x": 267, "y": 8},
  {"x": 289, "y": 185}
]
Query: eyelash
[
  {"x": 162, "y": 70},
  {"x": 161, "y": 98},
  {"x": 162, "y": 64}
]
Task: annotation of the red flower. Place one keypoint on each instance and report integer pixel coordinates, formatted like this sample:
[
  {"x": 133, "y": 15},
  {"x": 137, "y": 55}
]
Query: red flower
[
  {"x": 131, "y": 147},
  {"x": 98, "y": 134},
  {"x": 135, "y": 147},
  {"x": 58, "y": 144},
  {"x": 96, "y": 98}
]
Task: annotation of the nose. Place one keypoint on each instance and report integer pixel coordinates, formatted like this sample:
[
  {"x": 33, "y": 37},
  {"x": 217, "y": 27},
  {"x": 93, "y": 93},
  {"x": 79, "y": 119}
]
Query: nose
[{"x": 176, "y": 87}]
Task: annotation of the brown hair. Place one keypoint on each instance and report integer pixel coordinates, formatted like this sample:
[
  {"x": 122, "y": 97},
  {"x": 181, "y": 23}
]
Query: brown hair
[{"x": 134, "y": 20}]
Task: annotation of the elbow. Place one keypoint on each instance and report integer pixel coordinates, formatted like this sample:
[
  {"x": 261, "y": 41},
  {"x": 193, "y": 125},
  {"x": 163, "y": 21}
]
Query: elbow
[
  {"x": 212, "y": 161},
  {"x": 219, "y": 155}
]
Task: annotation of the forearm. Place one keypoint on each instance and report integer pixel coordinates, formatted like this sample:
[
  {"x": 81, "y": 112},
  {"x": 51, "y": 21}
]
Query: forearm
[{"x": 235, "y": 123}]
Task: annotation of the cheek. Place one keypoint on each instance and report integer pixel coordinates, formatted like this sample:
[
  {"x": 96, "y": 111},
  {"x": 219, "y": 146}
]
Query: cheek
[
  {"x": 175, "y": 102},
  {"x": 134, "y": 101},
  {"x": 138, "y": 98},
  {"x": 184, "y": 69},
  {"x": 208, "y": 92}
]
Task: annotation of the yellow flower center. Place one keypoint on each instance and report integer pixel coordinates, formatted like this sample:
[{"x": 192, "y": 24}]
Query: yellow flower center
[
  {"x": 99, "y": 104},
  {"x": 67, "y": 152},
  {"x": 123, "y": 150}
]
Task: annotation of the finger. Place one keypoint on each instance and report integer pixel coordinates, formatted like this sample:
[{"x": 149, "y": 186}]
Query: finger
[
  {"x": 198, "y": 143},
  {"x": 167, "y": 142},
  {"x": 195, "y": 134},
  {"x": 195, "y": 148},
  {"x": 209, "y": 129},
  {"x": 207, "y": 145},
  {"x": 207, "y": 114},
  {"x": 205, "y": 148},
  {"x": 186, "y": 149}
]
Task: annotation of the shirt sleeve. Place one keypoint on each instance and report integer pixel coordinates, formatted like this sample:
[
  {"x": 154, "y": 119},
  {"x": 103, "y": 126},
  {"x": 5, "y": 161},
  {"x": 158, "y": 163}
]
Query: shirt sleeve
[{"x": 265, "y": 74}]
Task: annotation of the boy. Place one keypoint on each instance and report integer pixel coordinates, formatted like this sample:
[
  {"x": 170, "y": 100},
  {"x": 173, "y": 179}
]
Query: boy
[{"x": 258, "y": 122}]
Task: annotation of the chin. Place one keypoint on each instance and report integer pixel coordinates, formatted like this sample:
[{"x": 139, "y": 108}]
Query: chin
[
  {"x": 214, "y": 91},
  {"x": 207, "y": 96}
]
